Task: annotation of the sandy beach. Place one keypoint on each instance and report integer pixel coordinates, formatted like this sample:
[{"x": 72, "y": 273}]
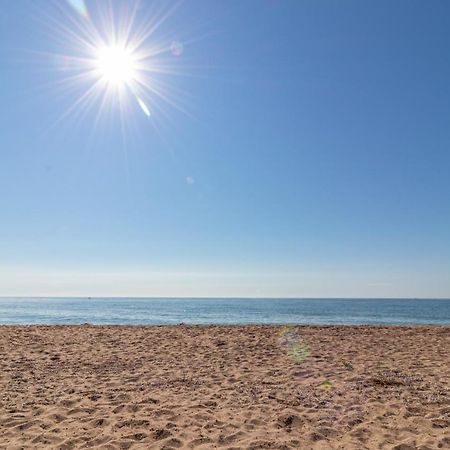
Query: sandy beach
[{"x": 230, "y": 387}]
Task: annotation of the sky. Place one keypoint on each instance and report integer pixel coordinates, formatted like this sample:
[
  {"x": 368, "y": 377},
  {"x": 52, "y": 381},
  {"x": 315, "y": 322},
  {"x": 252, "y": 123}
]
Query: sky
[{"x": 290, "y": 148}]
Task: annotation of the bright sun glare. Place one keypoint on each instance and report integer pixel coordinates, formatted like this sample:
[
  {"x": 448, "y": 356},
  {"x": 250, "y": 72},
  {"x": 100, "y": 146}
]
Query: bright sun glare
[
  {"x": 118, "y": 56},
  {"x": 116, "y": 65}
]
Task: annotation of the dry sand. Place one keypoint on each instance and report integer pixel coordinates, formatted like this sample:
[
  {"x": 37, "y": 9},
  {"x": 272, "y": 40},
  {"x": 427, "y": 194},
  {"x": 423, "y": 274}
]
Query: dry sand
[{"x": 234, "y": 387}]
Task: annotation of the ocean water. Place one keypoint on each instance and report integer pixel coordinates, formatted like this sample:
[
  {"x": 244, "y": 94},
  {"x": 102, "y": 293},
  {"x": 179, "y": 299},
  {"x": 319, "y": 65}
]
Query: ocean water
[{"x": 159, "y": 311}]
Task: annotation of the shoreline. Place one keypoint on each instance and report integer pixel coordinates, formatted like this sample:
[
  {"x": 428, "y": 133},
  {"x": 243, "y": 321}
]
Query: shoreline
[
  {"x": 222, "y": 325},
  {"x": 225, "y": 386}
]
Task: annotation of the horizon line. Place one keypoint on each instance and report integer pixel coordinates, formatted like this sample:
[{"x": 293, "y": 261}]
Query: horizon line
[{"x": 218, "y": 298}]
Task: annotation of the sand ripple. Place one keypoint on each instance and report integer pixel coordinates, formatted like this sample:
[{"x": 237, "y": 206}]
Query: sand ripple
[{"x": 71, "y": 387}]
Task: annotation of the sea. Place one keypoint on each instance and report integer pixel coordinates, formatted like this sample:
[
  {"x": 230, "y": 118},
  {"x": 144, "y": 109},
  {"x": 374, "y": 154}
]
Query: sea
[{"x": 226, "y": 311}]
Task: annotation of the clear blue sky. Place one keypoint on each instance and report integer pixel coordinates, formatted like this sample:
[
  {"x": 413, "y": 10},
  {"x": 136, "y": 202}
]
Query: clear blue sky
[{"x": 312, "y": 159}]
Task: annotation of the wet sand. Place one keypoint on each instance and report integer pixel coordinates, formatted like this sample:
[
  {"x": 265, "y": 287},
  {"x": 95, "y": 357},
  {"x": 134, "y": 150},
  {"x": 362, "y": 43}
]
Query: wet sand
[{"x": 230, "y": 387}]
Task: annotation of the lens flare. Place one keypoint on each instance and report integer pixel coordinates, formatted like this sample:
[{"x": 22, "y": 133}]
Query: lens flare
[
  {"x": 79, "y": 6},
  {"x": 290, "y": 339},
  {"x": 177, "y": 48},
  {"x": 143, "y": 106}
]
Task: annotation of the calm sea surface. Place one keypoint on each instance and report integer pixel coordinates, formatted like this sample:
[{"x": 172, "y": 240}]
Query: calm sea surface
[{"x": 222, "y": 311}]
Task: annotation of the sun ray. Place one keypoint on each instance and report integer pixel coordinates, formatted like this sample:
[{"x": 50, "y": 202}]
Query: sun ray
[
  {"x": 147, "y": 30},
  {"x": 118, "y": 60}
]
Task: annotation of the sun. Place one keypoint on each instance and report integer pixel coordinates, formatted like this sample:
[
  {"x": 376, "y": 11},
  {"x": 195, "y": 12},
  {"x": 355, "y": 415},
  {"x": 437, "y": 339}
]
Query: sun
[
  {"x": 116, "y": 65},
  {"x": 114, "y": 52}
]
